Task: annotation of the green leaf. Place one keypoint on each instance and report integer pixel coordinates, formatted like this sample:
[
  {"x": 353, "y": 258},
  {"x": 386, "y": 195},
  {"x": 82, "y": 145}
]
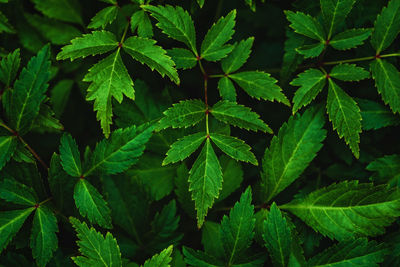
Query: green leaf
[
  {"x": 312, "y": 50},
  {"x": 237, "y": 230},
  {"x": 387, "y": 80},
  {"x": 8, "y": 144},
  {"x": 110, "y": 79},
  {"x": 349, "y": 72},
  {"x": 94, "y": 43},
  {"x": 5, "y": 26},
  {"x": 238, "y": 56},
  {"x": 234, "y": 147},
  {"x": 17, "y": 193},
  {"x": 183, "y": 114},
  {"x": 65, "y": 10},
  {"x": 376, "y": 116},
  {"x": 305, "y": 25},
  {"x": 239, "y": 116},
  {"x": 386, "y": 169},
  {"x": 10, "y": 223},
  {"x": 103, "y": 17},
  {"x": 232, "y": 174},
  {"x": 350, "y": 38},
  {"x": 213, "y": 47},
  {"x": 260, "y": 85},
  {"x": 176, "y": 23},
  {"x": 205, "y": 179},
  {"x": 184, "y": 147},
  {"x": 91, "y": 204},
  {"x": 146, "y": 52},
  {"x": 160, "y": 260},
  {"x": 292, "y": 150},
  {"x": 43, "y": 238},
  {"x": 201, "y": 3},
  {"x": 183, "y": 58},
  {"x": 348, "y": 210},
  {"x": 291, "y": 59},
  {"x": 359, "y": 252},
  {"x": 70, "y": 156},
  {"x": 9, "y": 66},
  {"x": 227, "y": 89},
  {"x": 211, "y": 239},
  {"x": 311, "y": 83},
  {"x": 29, "y": 92},
  {"x": 46, "y": 121},
  {"x": 96, "y": 250},
  {"x": 345, "y": 116},
  {"x": 182, "y": 190},
  {"x": 334, "y": 13},
  {"x": 387, "y": 26},
  {"x": 60, "y": 95},
  {"x": 122, "y": 150},
  {"x": 200, "y": 259},
  {"x": 277, "y": 237},
  {"x": 141, "y": 21}
]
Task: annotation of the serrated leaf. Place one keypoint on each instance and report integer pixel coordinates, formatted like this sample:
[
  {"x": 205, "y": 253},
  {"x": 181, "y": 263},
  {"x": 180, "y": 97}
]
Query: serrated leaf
[
  {"x": 292, "y": 150},
  {"x": 65, "y": 10},
  {"x": 184, "y": 147},
  {"x": 146, "y": 52},
  {"x": 70, "y": 156},
  {"x": 183, "y": 58},
  {"x": 8, "y": 145},
  {"x": 46, "y": 121},
  {"x": 91, "y": 204},
  {"x": 44, "y": 240},
  {"x": 160, "y": 260},
  {"x": 227, "y": 89},
  {"x": 238, "y": 56},
  {"x": 387, "y": 81},
  {"x": 94, "y": 43},
  {"x": 305, "y": 25},
  {"x": 96, "y": 250},
  {"x": 239, "y": 116},
  {"x": 234, "y": 147},
  {"x": 311, "y": 83},
  {"x": 376, "y": 116},
  {"x": 334, "y": 12},
  {"x": 110, "y": 79},
  {"x": 183, "y": 114},
  {"x": 350, "y": 38},
  {"x": 387, "y": 26},
  {"x": 176, "y": 23},
  {"x": 103, "y": 17},
  {"x": 349, "y": 72},
  {"x": 205, "y": 181},
  {"x": 260, "y": 85},
  {"x": 348, "y": 210},
  {"x": 17, "y": 193},
  {"x": 141, "y": 21},
  {"x": 213, "y": 47},
  {"x": 9, "y": 66},
  {"x": 345, "y": 116},
  {"x": 237, "y": 230},
  {"x": 277, "y": 237},
  {"x": 312, "y": 50},
  {"x": 10, "y": 223}
]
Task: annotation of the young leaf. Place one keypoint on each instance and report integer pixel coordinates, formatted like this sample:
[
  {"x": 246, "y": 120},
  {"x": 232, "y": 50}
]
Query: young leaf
[
  {"x": 17, "y": 193},
  {"x": 277, "y": 237},
  {"x": 311, "y": 83},
  {"x": 9, "y": 66},
  {"x": 348, "y": 210},
  {"x": 305, "y": 25},
  {"x": 234, "y": 147},
  {"x": 227, "y": 89},
  {"x": 205, "y": 179},
  {"x": 334, "y": 13},
  {"x": 91, "y": 204},
  {"x": 290, "y": 152},
  {"x": 8, "y": 144},
  {"x": 350, "y": 38},
  {"x": 349, "y": 72},
  {"x": 183, "y": 58},
  {"x": 183, "y": 114},
  {"x": 359, "y": 252},
  {"x": 213, "y": 47},
  {"x": 387, "y": 80},
  {"x": 43, "y": 238},
  {"x": 184, "y": 147},
  {"x": 65, "y": 10},
  {"x": 146, "y": 52},
  {"x": 10, "y": 223},
  {"x": 160, "y": 260},
  {"x": 141, "y": 21},
  {"x": 176, "y": 23},
  {"x": 29, "y": 92},
  {"x": 387, "y": 26},
  {"x": 103, "y": 17},
  {"x": 260, "y": 85},
  {"x": 376, "y": 116},
  {"x": 238, "y": 115},
  {"x": 237, "y": 230},
  {"x": 94, "y": 43},
  {"x": 345, "y": 116},
  {"x": 96, "y": 250},
  {"x": 312, "y": 50},
  {"x": 70, "y": 156},
  {"x": 110, "y": 79},
  {"x": 238, "y": 56}
]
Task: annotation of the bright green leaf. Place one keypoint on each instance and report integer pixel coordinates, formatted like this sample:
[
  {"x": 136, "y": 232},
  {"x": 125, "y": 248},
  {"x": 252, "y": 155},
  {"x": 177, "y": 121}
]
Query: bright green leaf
[
  {"x": 70, "y": 156},
  {"x": 184, "y": 147},
  {"x": 103, "y": 17},
  {"x": 141, "y": 21},
  {"x": 238, "y": 56},
  {"x": 17, "y": 193},
  {"x": 160, "y": 260},
  {"x": 349, "y": 72},
  {"x": 305, "y": 25},
  {"x": 334, "y": 12},
  {"x": 227, "y": 89},
  {"x": 183, "y": 58},
  {"x": 312, "y": 50},
  {"x": 350, "y": 38}
]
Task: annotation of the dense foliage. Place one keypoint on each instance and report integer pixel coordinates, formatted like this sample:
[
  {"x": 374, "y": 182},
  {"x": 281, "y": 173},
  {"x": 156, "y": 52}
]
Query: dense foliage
[{"x": 199, "y": 133}]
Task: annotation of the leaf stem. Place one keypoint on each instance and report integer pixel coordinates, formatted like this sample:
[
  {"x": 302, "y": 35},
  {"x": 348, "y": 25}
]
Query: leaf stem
[{"x": 217, "y": 76}]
